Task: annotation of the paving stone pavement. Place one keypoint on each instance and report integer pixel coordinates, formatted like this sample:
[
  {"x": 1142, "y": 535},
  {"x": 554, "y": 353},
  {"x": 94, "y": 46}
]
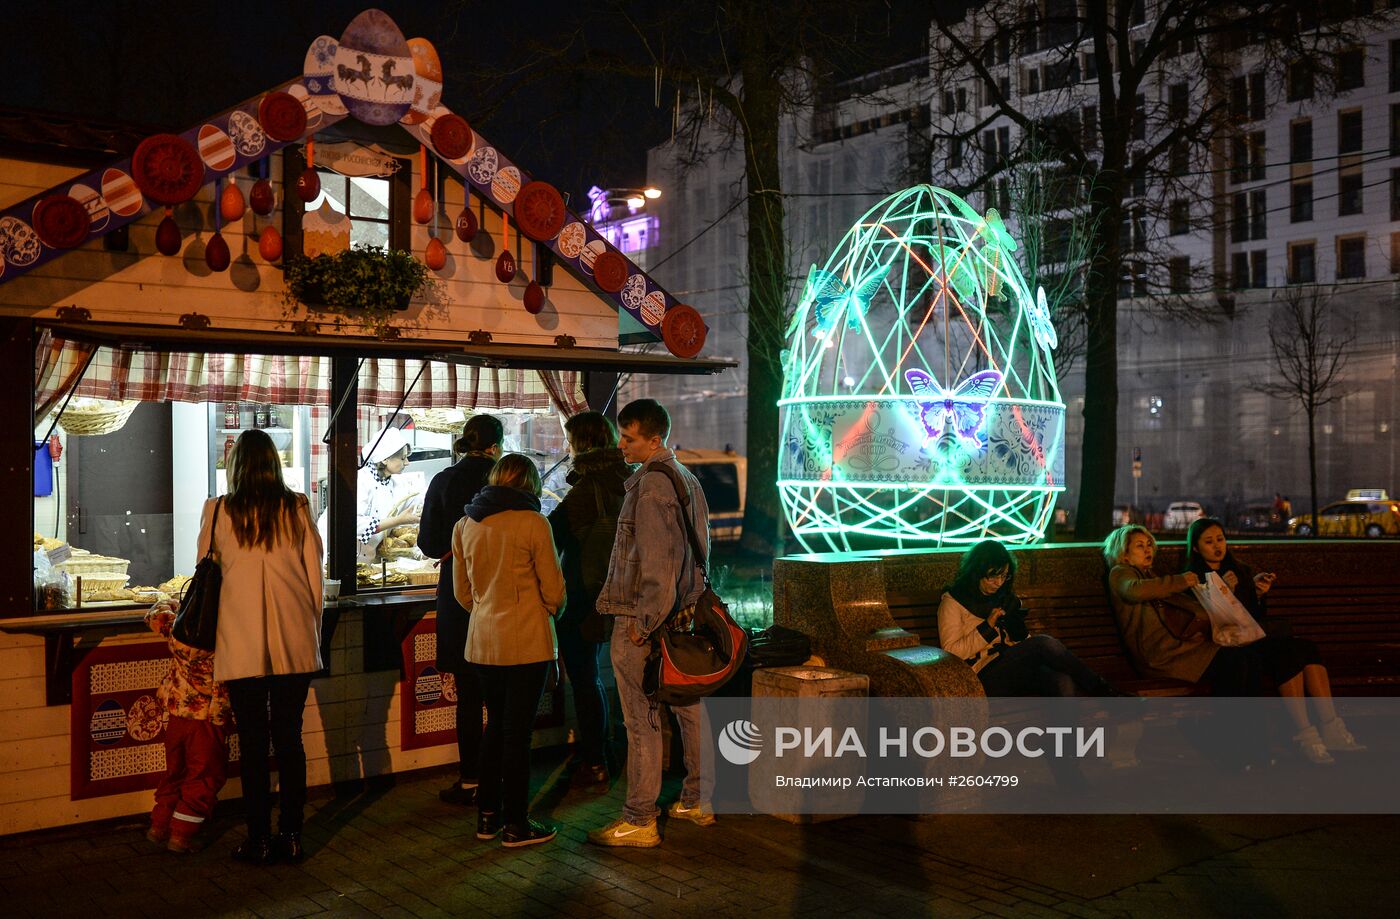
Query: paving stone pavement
[{"x": 398, "y": 851}]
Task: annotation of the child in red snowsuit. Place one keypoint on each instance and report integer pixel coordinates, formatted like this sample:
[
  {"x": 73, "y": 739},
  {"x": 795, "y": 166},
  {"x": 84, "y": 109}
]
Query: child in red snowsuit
[{"x": 196, "y": 744}]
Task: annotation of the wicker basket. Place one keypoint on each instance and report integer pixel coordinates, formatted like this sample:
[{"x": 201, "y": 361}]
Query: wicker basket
[
  {"x": 97, "y": 583},
  {"x": 86, "y": 564},
  {"x": 425, "y": 576},
  {"x": 438, "y": 420},
  {"x": 95, "y": 416}
]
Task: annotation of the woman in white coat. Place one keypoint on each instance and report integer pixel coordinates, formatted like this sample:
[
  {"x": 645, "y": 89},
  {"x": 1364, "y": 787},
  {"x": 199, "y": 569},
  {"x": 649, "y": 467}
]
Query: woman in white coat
[
  {"x": 378, "y": 495},
  {"x": 268, "y": 643}
]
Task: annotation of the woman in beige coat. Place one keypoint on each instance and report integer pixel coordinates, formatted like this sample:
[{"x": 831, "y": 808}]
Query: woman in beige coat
[
  {"x": 506, "y": 575},
  {"x": 268, "y": 642}
]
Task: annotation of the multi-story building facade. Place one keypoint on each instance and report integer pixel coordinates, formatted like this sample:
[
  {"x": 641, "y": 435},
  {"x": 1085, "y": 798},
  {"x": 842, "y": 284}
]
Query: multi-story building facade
[{"x": 1301, "y": 195}]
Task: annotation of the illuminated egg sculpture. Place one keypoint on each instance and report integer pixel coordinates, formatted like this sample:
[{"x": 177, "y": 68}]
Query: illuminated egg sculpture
[{"x": 920, "y": 406}]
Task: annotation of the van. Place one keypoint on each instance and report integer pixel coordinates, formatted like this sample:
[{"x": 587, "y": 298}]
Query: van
[{"x": 723, "y": 476}]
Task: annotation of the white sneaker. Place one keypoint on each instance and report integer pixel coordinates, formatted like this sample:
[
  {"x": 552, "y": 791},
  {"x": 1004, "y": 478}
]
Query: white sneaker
[
  {"x": 1311, "y": 746},
  {"x": 700, "y": 815},
  {"x": 1336, "y": 736},
  {"x": 622, "y": 833}
]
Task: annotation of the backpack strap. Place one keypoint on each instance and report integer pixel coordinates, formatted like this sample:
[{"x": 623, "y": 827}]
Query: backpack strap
[{"x": 683, "y": 498}]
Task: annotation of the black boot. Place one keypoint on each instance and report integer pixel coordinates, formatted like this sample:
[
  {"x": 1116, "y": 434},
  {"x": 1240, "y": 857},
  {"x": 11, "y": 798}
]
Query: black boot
[
  {"x": 256, "y": 850},
  {"x": 288, "y": 848},
  {"x": 488, "y": 825}
]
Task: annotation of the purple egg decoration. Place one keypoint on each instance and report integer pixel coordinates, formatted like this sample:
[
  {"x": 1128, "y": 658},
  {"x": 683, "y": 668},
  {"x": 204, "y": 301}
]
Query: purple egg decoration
[{"x": 374, "y": 72}]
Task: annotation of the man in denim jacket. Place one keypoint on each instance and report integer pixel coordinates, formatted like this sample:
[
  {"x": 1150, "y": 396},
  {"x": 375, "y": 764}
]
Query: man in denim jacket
[{"x": 652, "y": 573}]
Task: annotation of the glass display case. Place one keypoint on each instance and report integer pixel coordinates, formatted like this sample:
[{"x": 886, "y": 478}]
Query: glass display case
[{"x": 285, "y": 424}]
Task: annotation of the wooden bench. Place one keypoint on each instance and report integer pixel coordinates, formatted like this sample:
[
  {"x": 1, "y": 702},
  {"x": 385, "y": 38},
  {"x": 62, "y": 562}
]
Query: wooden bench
[{"x": 1341, "y": 595}]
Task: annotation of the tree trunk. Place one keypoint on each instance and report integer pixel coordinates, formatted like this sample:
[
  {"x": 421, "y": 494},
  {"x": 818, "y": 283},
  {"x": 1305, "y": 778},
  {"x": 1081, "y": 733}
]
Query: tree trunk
[
  {"x": 1312, "y": 465},
  {"x": 767, "y": 292}
]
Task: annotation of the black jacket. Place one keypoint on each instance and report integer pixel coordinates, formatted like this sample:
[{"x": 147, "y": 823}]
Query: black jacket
[
  {"x": 595, "y": 471},
  {"x": 449, "y": 493}
]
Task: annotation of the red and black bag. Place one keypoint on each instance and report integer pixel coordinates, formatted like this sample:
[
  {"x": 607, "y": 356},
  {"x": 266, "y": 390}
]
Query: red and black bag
[{"x": 695, "y": 652}]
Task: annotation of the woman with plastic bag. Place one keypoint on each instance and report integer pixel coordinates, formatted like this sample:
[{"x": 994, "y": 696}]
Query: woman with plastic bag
[{"x": 1294, "y": 664}]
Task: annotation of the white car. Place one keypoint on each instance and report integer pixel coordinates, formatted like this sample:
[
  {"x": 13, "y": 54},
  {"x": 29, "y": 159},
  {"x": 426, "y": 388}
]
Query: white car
[{"x": 1180, "y": 514}]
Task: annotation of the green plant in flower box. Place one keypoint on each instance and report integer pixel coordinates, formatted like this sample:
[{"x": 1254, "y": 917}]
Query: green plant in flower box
[{"x": 365, "y": 283}]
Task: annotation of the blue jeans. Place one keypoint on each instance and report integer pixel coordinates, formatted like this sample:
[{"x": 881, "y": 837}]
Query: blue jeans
[
  {"x": 644, "y": 735},
  {"x": 1038, "y": 666},
  {"x": 580, "y": 658}
]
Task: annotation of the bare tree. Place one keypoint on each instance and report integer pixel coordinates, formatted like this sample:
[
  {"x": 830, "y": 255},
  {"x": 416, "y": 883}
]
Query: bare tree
[
  {"x": 1153, "y": 111},
  {"x": 1310, "y": 352}
]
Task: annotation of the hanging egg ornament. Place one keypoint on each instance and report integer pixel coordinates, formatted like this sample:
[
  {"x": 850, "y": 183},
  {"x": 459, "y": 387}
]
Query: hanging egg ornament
[
  {"x": 466, "y": 225},
  {"x": 216, "y": 254},
  {"x": 505, "y": 267},
  {"x": 308, "y": 185},
  {"x": 261, "y": 198},
  {"x": 423, "y": 206},
  {"x": 435, "y": 257},
  {"x": 534, "y": 298},
  {"x": 270, "y": 243},
  {"x": 231, "y": 203},
  {"x": 168, "y": 238}
]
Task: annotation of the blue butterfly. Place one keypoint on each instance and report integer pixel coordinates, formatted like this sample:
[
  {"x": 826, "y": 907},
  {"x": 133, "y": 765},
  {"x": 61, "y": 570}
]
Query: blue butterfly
[
  {"x": 830, "y": 298},
  {"x": 960, "y": 413}
]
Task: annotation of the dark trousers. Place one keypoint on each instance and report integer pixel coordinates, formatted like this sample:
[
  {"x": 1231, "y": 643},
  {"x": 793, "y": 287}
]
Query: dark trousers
[
  {"x": 580, "y": 658},
  {"x": 512, "y": 696},
  {"x": 1038, "y": 666},
  {"x": 468, "y": 724},
  {"x": 270, "y": 707}
]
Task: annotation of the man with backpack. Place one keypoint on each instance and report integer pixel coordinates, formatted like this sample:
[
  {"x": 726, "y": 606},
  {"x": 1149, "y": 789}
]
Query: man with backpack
[
  {"x": 654, "y": 575},
  {"x": 584, "y": 525}
]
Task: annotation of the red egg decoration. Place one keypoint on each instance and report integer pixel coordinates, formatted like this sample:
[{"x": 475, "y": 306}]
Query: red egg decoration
[
  {"x": 168, "y": 238},
  {"x": 423, "y": 206},
  {"x": 231, "y": 203},
  {"x": 466, "y": 225},
  {"x": 505, "y": 267},
  {"x": 534, "y": 297},
  {"x": 436, "y": 255},
  {"x": 216, "y": 254},
  {"x": 262, "y": 198},
  {"x": 270, "y": 243},
  {"x": 308, "y": 185}
]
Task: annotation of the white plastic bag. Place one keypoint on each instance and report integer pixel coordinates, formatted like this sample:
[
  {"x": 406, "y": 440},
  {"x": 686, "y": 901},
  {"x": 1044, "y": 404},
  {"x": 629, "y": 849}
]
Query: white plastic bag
[{"x": 1230, "y": 623}]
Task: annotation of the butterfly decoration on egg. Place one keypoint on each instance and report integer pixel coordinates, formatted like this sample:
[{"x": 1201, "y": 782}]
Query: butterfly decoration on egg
[
  {"x": 828, "y": 298},
  {"x": 958, "y": 416},
  {"x": 1041, "y": 325}
]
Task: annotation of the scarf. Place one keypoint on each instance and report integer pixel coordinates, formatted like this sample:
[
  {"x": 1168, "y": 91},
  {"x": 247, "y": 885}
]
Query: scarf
[
  {"x": 981, "y": 605},
  {"x": 602, "y": 460},
  {"x": 493, "y": 499}
]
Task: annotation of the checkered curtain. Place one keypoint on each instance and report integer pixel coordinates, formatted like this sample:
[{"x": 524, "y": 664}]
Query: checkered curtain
[{"x": 165, "y": 376}]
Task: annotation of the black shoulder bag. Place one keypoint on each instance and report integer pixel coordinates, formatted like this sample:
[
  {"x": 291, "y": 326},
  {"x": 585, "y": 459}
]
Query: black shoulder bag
[{"x": 197, "y": 622}]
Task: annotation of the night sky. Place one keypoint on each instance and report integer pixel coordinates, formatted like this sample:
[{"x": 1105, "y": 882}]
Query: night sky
[{"x": 170, "y": 64}]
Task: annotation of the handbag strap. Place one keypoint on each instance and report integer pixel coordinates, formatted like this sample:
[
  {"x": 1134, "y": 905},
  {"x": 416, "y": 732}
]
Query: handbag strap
[
  {"x": 683, "y": 498},
  {"x": 208, "y": 553}
]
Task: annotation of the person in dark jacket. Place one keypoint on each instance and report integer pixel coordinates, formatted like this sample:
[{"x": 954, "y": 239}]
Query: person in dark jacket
[
  {"x": 594, "y": 499},
  {"x": 1294, "y": 664},
  {"x": 449, "y": 493}
]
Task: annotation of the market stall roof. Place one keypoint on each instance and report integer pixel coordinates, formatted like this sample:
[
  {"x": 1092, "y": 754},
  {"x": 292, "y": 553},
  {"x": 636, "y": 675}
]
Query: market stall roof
[{"x": 562, "y": 356}]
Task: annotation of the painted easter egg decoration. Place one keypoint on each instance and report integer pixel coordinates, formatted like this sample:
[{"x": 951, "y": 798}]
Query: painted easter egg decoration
[
  {"x": 451, "y": 136},
  {"x": 505, "y": 267},
  {"x": 318, "y": 74},
  {"x": 231, "y": 203},
  {"x": 120, "y": 193},
  {"x": 539, "y": 211},
  {"x": 167, "y": 169},
  {"x": 308, "y": 185},
  {"x": 427, "y": 82},
  {"x": 216, "y": 149},
  {"x": 168, "y": 238},
  {"x": 374, "y": 72},
  {"x": 99, "y": 212},
  {"x": 61, "y": 221},
  {"x": 216, "y": 254},
  {"x": 19, "y": 244},
  {"x": 466, "y": 225},
  {"x": 270, "y": 243},
  {"x": 262, "y": 198},
  {"x": 282, "y": 116},
  {"x": 534, "y": 298},
  {"x": 423, "y": 206},
  {"x": 435, "y": 256}
]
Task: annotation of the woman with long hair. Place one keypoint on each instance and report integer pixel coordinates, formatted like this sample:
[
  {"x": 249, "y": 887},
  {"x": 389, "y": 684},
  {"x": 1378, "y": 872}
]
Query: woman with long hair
[
  {"x": 980, "y": 620},
  {"x": 506, "y": 575},
  {"x": 1293, "y": 664},
  {"x": 584, "y": 525},
  {"x": 449, "y": 493},
  {"x": 268, "y": 642}
]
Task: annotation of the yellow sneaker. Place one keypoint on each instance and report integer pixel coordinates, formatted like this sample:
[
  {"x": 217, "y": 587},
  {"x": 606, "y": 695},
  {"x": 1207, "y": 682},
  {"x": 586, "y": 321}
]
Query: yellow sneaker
[
  {"x": 622, "y": 833},
  {"x": 700, "y": 814}
]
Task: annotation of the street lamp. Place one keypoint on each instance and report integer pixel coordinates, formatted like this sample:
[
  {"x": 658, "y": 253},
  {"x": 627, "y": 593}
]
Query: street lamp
[{"x": 603, "y": 200}]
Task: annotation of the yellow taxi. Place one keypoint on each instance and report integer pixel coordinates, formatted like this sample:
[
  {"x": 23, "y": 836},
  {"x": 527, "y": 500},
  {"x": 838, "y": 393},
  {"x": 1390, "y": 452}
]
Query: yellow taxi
[{"x": 1365, "y": 513}]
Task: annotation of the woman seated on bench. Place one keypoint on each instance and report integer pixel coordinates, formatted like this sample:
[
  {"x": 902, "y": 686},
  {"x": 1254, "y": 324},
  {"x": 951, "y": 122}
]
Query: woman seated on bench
[
  {"x": 1294, "y": 664},
  {"x": 981, "y": 621}
]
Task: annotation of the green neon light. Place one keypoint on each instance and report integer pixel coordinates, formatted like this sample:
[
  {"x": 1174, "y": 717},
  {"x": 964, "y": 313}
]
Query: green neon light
[{"x": 975, "y": 450}]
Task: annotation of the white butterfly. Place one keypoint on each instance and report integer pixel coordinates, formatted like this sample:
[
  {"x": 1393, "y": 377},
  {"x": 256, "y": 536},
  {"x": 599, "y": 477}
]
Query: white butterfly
[{"x": 960, "y": 413}]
